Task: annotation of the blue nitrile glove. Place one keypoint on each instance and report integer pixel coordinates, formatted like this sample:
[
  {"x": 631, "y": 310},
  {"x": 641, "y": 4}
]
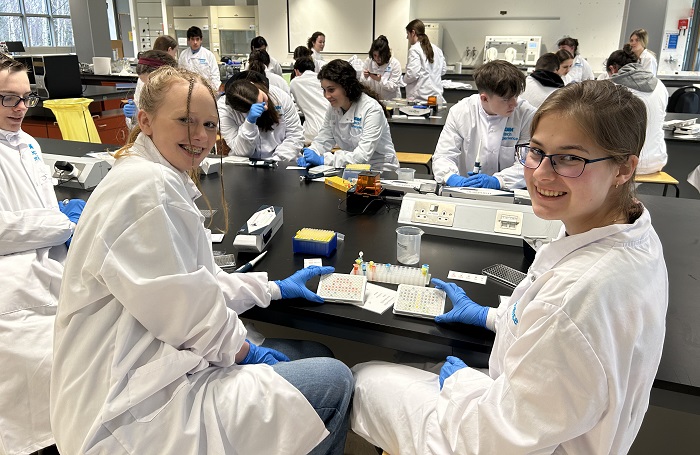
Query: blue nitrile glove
[
  {"x": 456, "y": 180},
  {"x": 256, "y": 110},
  {"x": 72, "y": 209},
  {"x": 130, "y": 109},
  {"x": 310, "y": 158},
  {"x": 451, "y": 365},
  {"x": 260, "y": 354},
  {"x": 464, "y": 310},
  {"x": 295, "y": 285},
  {"x": 482, "y": 181}
]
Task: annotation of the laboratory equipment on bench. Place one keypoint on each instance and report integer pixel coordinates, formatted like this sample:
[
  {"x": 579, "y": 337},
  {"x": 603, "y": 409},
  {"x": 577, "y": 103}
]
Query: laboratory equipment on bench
[
  {"x": 486, "y": 221},
  {"x": 518, "y": 50},
  {"x": 481, "y": 194},
  {"x": 259, "y": 229},
  {"x": 342, "y": 288},
  {"x": 390, "y": 273},
  {"x": 504, "y": 274},
  {"x": 77, "y": 172},
  {"x": 419, "y": 301},
  {"x": 315, "y": 241},
  {"x": 365, "y": 196},
  {"x": 249, "y": 265}
]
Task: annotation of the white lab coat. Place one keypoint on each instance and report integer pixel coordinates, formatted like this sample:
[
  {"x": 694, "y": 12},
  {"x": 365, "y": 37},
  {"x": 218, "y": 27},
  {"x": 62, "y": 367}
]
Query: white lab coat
[
  {"x": 580, "y": 71},
  {"x": 535, "y": 93},
  {"x": 204, "y": 63},
  {"x": 653, "y": 156},
  {"x": 283, "y": 143},
  {"x": 33, "y": 233},
  {"x": 648, "y": 61},
  {"x": 277, "y": 81},
  {"x": 147, "y": 331},
  {"x": 362, "y": 134},
  {"x": 308, "y": 94},
  {"x": 389, "y": 86},
  {"x": 572, "y": 366},
  {"x": 694, "y": 178},
  {"x": 422, "y": 78},
  {"x": 319, "y": 62},
  {"x": 467, "y": 127}
]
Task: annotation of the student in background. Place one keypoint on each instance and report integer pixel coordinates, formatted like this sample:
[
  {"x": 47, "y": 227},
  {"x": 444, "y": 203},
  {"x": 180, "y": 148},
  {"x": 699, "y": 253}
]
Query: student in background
[
  {"x": 148, "y": 62},
  {"x": 572, "y": 332},
  {"x": 566, "y": 61},
  {"x": 624, "y": 69},
  {"x": 484, "y": 129},
  {"x": 307, "y": 91},
  {"x": 316, "y": 43},
  {"x": 199, "y": 59},
  {"x": 356, "y": 123},
  {"x": 382, "y": 72},
  {"x": 260, "y": 44},
  {"x": 639, "y": 40},
  {"x": 150, "y": 354},
  {"x": 263, "y": 58},
  {"x": 580, "y": 70},
  {"x": 543, "y": 81},
  {"x": 425, "y": 65},
  {"x": 166, "y": 43},
  {"x": 300, "y": 52},
  {"x": 35, "y": 232},
  {"x": 259, "y": 121}
]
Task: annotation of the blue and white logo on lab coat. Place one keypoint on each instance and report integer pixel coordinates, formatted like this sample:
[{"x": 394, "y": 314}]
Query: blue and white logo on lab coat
[{"x": 512, "y": 314}]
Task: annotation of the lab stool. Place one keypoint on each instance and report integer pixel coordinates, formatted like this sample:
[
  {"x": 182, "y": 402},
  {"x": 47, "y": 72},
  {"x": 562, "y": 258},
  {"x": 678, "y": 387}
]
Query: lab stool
[
  {"x": 661, "y": 178},
  {"x": 74, "y": 119},
  {"x": 422, "y": 159}
]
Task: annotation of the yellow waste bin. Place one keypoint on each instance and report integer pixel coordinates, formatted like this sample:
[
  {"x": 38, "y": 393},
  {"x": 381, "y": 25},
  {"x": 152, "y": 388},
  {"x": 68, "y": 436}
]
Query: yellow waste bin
[{"x": 74, "y": 119}]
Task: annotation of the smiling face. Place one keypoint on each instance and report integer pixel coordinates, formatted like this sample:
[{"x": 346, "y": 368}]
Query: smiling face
[
  {"x": 168, "y": 126},
  {"x": 335, "y": 94},
  {"x": 498, "y": 105},
  {"x": 582, "y": 203},
  {"x": 13, "y": 83},
  {"x": 320, "y": 43}
]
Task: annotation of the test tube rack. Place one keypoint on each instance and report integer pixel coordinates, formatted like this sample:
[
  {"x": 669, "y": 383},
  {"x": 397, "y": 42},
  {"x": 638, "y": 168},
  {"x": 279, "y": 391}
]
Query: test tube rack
[{"x": 392, "y": 274}]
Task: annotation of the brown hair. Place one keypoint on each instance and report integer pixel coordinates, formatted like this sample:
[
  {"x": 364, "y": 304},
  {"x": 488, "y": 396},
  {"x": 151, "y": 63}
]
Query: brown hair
[
  {"x": 569, "y": 41},
  {"x": 381, "y": 47},
  {"x": 563, "y": 55},
  {"x": 152, "y": 96},
  {"x": 312, "y": 39},
  {"x": 417, "y": 26},
  {"x": 242, "y": 94},
  {"x": 621, "y": 57},
  {"x": 165, "y": 42},
  {"x": 612, "y": 116},
  {"x": 10, "y": 64},
  {"x": 150, "y": 61},
  {"x": 499, "y": 78},
  {"x": 343, "y": 74}
]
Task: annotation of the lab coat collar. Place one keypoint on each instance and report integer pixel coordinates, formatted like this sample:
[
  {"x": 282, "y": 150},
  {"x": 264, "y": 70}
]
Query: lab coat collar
[
  {"x": 144, "y": 147},
  {"x": 349, "y": 115},
  {"x": 13, "y": 138},
  {"x": 491, "y": 118},
  {"x": 552, "y": 253}
]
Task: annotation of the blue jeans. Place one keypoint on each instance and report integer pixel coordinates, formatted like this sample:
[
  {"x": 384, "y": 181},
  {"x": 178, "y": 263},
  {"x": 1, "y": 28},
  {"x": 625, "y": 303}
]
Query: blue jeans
[
  {"x": 298, "y": 349},
  {"x": 328, "y": 385}
]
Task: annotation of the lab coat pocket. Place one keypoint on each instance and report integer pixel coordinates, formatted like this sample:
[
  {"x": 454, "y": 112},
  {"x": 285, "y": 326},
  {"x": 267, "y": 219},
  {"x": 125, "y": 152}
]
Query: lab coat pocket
[{"x": 153, "y": 386}]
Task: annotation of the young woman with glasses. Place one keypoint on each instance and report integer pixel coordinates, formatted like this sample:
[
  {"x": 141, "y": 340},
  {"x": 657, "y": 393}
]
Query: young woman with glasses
[{"x": 576, "y": 348}]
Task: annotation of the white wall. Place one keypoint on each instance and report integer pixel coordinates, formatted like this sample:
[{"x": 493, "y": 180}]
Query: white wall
[
  {"x": 391, "y": 18},
  {"x": 675, "y": 9},
  {"x": 596, "y": 24}
]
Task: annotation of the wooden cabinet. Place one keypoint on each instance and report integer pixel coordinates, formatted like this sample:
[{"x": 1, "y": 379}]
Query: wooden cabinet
[{"x": 112, "y": 129}]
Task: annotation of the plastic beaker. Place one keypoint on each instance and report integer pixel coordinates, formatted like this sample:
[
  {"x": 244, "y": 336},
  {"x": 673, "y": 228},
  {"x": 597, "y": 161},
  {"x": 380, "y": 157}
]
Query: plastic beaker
[
  {"x": 406, "y": 173},
  {"x": 408, "y": 244}
]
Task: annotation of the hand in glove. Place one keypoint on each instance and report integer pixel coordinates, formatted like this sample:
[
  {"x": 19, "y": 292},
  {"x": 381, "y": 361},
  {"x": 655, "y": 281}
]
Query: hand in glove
[
  {"x": 130, "y": 109},
  {"x": 451, "y": 365},
  {"x": 260, "y": 354},
  {"x": 295, "y": 285},
  {"x": 464, "y": 309},
  {"x": 482, "y": 181},
  {"x": 310, "y": 158},
  {"x": 456, "y": 180},
  {"x": 256, "y": 110},
  {"x": 72, "y": 209}
]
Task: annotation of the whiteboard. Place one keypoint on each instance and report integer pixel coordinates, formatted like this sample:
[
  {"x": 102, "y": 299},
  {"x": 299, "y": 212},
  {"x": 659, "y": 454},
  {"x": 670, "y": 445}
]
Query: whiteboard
[{"x": 347, "y": 24}]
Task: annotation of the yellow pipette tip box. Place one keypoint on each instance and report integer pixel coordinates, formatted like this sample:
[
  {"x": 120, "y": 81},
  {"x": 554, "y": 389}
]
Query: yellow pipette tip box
[
  {"x": 315, "y": 241},
  {"x": 338, "y": 183}
]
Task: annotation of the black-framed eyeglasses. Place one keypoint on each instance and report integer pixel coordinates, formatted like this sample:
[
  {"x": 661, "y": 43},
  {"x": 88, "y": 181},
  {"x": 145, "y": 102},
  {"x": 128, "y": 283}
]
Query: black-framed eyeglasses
[
  {"x": 30, "y": 100},
  {"x": 565, "y": 165}
]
